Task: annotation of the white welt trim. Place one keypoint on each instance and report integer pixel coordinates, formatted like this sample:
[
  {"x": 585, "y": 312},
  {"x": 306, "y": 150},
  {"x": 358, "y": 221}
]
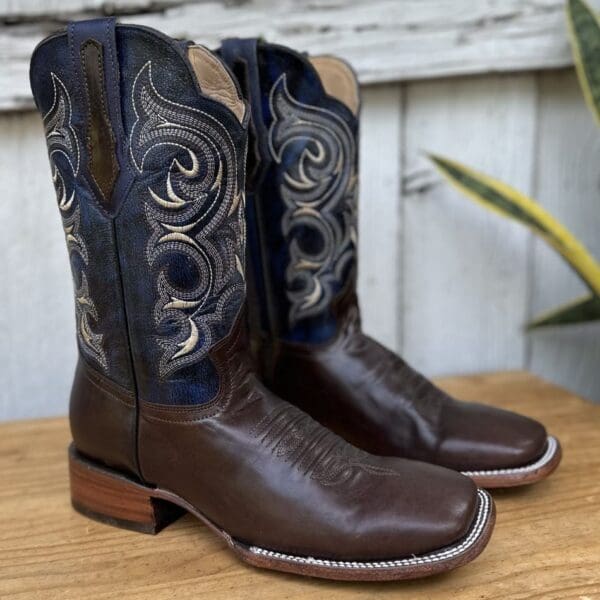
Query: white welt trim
[
  {"x": 433, "y": 557},
  {"x": 551, "y": 448}
]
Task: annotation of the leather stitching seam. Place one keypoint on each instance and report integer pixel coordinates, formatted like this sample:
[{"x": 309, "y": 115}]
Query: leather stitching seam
[{"x": 126, "y": 402}]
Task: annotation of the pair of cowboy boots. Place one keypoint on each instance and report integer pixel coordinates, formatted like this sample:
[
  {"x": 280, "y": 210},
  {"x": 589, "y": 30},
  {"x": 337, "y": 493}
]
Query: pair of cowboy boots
[{"x": 297, "y": 443}]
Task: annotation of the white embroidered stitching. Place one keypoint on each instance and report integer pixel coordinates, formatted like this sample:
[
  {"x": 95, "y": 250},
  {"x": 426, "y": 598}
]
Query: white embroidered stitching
[
  {"x": 548, "y": 455},
  {"x": 433, "y": 557},
  {"x": 60, "y": 134},
  {"x": 62, "y": 139},
  {"x": 318, "y": 187},
  {"x": 200, "y": 216}
]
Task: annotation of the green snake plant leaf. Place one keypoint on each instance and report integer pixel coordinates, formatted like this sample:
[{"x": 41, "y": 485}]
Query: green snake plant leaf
[
  {"x": 581, "y": 310},
  {"x": 509, "y": 202},
  {"x": 584, "y": 31}
]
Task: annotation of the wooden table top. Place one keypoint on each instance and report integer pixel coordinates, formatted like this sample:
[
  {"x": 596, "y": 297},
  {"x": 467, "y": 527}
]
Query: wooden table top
[{"x": 546, "y": 543}]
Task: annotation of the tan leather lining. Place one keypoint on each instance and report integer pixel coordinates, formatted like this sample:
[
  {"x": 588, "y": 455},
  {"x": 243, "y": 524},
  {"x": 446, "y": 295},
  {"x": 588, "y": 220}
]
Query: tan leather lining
[
  {"x": 338, "y": 79},
  {"x": 215, "y": 81}
]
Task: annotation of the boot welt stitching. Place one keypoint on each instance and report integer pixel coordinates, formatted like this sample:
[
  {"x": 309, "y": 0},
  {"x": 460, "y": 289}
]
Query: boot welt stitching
[
  {"x": 445, "y": 554},
  {"x": 551, "y": 447}
]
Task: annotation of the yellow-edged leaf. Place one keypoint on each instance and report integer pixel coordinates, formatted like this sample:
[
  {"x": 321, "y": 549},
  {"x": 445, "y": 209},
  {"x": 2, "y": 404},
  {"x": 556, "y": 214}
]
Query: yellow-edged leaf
[
  {"x": 584, "y": 32},
  {"x": 508, "y": 201},
  {"x": 581, "y": 310}
]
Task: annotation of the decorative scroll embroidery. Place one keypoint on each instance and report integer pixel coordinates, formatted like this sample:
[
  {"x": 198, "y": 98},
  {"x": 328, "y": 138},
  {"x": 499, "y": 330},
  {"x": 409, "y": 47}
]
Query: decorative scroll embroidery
[
  {"x": 62, "y": 140},
  {"x": 316, "y": 452},
  {"x": 318, "y": 189},
  {"x": 198, "y": 215}
]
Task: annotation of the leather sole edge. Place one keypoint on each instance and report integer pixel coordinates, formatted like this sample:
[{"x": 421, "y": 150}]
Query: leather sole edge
[
  {"x": 533, "y": 472},
  {"x": 439, "y": 561}
]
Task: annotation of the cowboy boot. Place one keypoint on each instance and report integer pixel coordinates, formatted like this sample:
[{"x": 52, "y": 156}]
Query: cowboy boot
[
  {"x": 302, "y": 185},
  {"x": 147, "y": 145}
]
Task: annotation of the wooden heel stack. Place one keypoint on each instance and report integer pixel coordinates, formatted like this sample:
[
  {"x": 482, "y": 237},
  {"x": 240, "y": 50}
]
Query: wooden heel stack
[{"x": 110, "y": 497}]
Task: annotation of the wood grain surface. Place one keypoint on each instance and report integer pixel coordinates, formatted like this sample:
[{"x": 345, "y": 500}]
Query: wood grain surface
[{"x": 546, "y": 544}]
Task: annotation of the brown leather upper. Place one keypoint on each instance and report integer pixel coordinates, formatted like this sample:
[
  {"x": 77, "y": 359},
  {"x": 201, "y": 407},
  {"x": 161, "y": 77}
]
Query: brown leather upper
[
  {"x": 267, "y": 473},
  {"x": 376, "y": 401},
  {"x": 102, "y": 415},
  {"x": 270, "y": 475}
]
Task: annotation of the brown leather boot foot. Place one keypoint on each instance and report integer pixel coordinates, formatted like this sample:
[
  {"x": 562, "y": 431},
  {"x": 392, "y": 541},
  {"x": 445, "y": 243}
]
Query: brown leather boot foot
[
  {"x": 390, "y": 409},
  {"x": 110, "y": 497}
]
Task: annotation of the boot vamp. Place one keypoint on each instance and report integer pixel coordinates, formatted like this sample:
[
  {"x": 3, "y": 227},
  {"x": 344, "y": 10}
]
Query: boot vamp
[
  {"x": 375, "y": 400},
  {"x": 364, "y": 393},
  {"x": 479, "y": 437},
  {"x": 270, "y": 476}
]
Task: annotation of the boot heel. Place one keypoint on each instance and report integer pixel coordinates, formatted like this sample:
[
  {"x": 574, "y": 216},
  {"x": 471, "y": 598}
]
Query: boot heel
[{"x": 110, "y": 497}]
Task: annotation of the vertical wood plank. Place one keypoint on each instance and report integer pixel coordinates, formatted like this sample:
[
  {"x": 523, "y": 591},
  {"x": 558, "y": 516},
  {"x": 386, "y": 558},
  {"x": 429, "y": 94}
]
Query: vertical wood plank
[
  {"x": 567, "y": 185},
  {"x": 466, "y": 269},
  {"x": 37, "y": 333},
  {"x": 379, "y": 213}
]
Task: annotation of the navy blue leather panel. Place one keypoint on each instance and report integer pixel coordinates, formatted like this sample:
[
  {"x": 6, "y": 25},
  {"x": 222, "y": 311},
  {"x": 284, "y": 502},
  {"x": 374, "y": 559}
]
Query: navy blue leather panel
[
  {"x": 101, "y": 326},
  {"x": 167, "y": 271},
  {"x": 302, "y": 212}
]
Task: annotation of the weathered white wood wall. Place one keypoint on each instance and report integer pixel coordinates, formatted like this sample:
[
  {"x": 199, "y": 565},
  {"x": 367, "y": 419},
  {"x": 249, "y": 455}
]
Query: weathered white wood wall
[
  {"x": 385, "y": 40},
  {"x": 443, "y": 281},
  {"x": 447, "y": 283}
]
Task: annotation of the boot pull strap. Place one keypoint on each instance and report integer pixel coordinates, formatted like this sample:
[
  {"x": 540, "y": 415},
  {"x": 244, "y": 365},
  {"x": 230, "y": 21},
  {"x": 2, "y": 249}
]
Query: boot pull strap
[{"x": 93, "y": 51}]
